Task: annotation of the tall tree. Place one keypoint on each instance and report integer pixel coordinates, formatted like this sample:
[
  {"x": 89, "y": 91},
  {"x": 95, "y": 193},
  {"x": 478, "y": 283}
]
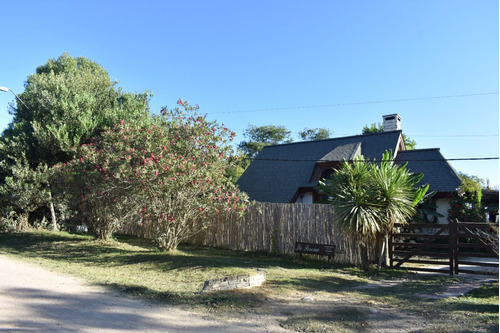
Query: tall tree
[
  {"x": 313, "y": 134},
  {"x": 261, "y": 136},
  {"x": 379, "y": 128},
  {"x": 66, "y": 103},
  {"x": 369, "y": 197}
]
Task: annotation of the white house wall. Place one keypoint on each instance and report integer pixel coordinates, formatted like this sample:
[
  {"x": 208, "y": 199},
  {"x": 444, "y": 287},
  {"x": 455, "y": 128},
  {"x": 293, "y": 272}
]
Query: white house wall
[
  {"x": 443, "y": 204},
  {"x": 306, "y": 198}
]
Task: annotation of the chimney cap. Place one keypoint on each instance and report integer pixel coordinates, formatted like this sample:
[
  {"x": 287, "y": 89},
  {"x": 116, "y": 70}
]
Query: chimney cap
[{"x": 392, "y": 122}]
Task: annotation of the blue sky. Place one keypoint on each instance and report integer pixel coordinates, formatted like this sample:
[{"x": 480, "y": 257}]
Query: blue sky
[{"x": 293, "y": 63}]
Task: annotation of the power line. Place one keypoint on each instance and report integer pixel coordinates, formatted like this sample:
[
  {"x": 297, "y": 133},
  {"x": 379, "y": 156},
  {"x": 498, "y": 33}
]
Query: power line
[
  {"x": 455, "y": 136},
  {"x": 391, "y": 160},
  {"x": 356, "y": 103}
]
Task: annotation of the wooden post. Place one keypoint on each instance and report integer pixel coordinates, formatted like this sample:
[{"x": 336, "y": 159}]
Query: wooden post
[
  {"x": 391, "y": 248},
  {"x": 455, "y": 246},
  {"x": 451, "y": 244}
]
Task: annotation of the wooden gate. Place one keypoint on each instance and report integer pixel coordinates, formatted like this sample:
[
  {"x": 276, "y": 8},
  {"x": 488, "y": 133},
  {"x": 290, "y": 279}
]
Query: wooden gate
[{"x": 443, "y": 247}]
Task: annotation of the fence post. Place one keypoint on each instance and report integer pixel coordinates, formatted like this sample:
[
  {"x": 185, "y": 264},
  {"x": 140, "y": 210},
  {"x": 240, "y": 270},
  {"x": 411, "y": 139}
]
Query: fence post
[
  {"x": 451, "y": 243},
  {"x": 456, "y": 233},
  {"x": 454, "y": 243},
  {"x": 391, "y": 249}
]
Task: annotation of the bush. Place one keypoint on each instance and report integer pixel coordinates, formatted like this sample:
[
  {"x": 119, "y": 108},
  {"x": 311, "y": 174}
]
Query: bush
[{"x": 166, "y": 174}]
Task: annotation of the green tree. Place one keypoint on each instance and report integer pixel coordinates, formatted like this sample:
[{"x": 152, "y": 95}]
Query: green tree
[
  {"x": 369, "y": 197},
  {"x": 24, "y": 191},
  {"x": 313, "y": 134},
  {"x": 66, "y": 103},
  {"x": 70, "y": 100},
  {"x": 262, "y": 136},
  {"x": 166, "y": 175},
  {"x": 379, "y": 128},
  {"x": 466, "y": 204}
]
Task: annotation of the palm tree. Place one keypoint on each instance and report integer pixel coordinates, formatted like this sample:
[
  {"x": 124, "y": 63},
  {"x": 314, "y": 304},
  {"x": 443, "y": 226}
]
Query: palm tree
[
  {"x": 369, "y": 198},
  {"x": 397, "y": 192}
]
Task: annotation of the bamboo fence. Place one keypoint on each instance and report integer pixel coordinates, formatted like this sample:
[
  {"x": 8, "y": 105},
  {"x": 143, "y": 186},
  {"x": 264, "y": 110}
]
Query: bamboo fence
[{"x": 274, "y": 228}]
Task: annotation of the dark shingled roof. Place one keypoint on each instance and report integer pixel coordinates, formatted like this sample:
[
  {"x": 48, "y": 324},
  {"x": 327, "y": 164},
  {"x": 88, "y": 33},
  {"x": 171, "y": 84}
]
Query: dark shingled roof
[
  {"x": 438, "y": 173},
  {"x": 279, "y": 171}
]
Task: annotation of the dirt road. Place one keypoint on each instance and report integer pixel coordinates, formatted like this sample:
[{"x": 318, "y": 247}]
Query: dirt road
[{"x": 33, "y": 299}]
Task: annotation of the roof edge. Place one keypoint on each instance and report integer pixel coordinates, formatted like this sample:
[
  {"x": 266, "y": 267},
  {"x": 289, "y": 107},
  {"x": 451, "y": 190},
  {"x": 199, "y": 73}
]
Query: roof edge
[{"x": 338, "y": 138}]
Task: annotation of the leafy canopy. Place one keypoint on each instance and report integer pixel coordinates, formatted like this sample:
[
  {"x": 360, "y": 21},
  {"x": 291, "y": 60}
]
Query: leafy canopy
[
  {"x": 313, "y": 134},
  {"x": 379, "y": 128},
  {"x": 262, "y": 136},
  {"x": 68, "y": 102}
]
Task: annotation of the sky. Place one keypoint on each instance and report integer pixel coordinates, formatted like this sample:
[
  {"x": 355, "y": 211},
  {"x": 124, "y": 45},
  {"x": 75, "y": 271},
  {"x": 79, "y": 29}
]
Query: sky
[{"x": 332, "y": 64}]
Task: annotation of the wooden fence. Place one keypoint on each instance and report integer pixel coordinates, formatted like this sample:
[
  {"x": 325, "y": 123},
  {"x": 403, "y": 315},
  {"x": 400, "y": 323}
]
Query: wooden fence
[
  {"x": 275, "y": 227},
  {"x": 456, "y": 246}
]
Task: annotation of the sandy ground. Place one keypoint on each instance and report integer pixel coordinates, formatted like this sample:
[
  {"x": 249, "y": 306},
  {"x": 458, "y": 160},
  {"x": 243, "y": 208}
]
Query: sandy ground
[{"x": 33, "y": 299}]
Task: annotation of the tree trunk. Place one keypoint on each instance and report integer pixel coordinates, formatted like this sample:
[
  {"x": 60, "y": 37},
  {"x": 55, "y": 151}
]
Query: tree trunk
[
  {"x": 52, "y": 212},
  {"x": 364, "y": 257},
  {"x": 381, "y": 255}
]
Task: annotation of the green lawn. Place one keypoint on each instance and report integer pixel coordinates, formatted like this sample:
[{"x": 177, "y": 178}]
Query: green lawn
[{"x": 133, "y": 266}]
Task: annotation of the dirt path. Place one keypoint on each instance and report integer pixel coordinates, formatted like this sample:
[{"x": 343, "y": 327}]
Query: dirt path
[{"x": 33, "y": 299}]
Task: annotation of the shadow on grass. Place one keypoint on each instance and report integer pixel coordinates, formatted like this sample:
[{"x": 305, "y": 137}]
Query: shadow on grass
[{"x": 330, "y": 284}]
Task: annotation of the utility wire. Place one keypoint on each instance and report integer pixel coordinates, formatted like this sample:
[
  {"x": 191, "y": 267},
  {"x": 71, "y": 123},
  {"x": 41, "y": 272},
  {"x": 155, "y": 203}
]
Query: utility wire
[
  {"x": 391, "y": 160},
  {"x": 356, "y": 103}
]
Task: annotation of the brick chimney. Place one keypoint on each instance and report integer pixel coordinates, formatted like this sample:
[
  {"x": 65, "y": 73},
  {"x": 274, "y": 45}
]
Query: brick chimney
[{"x": 392, "y": 122}]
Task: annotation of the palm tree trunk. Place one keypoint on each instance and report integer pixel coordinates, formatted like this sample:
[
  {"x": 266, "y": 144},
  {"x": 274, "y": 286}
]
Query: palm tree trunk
[
  {"x": 365, "y": 265},
  {"x": 384, "y": 253}
]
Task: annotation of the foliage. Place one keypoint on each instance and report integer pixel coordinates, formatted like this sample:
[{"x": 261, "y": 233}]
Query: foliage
[
  {"x": 350, "y": 193},
  {"x": 379, "y": 128},
  {"x": 66, "y": 103},
  {"x": 313, "y": 134},
  {"x": 24, "y": 189},
  {"x": 9, "y": 221},
  {"x": 70, "y": 101},
  {"x": 236, "y": 167},
  {"x": 261, "y": 136},
  {"x": 369, "y": 197},
  {"x": 466, "y": 204},
  {"x": 166, "y": 174}
]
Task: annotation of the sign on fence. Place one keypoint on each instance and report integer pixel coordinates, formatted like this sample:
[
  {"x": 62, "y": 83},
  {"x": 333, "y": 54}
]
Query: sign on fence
[{"x": 317, "y": 249}]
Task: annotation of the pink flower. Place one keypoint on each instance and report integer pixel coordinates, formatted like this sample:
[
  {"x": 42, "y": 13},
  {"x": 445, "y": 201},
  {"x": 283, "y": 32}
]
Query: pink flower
[{"x": 122, "y": 122}]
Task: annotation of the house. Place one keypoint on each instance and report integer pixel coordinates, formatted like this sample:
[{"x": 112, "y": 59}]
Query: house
[{"x": 289, "y": 173}]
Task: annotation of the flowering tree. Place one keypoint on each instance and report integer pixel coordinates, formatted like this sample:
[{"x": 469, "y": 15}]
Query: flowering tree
[
  {"x": 466, "y": 205},
  {"x": 166, "y": 174}
]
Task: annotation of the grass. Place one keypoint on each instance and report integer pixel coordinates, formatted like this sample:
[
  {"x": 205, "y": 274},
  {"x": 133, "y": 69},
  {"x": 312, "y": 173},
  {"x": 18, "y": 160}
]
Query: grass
[{"x": 134, "y": 267}]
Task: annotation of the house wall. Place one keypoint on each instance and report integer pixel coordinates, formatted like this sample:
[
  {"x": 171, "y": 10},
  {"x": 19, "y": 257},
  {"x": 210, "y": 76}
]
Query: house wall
[
  {"x": 306, "y": 198},
  {"x": 443, "y": 204}
]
